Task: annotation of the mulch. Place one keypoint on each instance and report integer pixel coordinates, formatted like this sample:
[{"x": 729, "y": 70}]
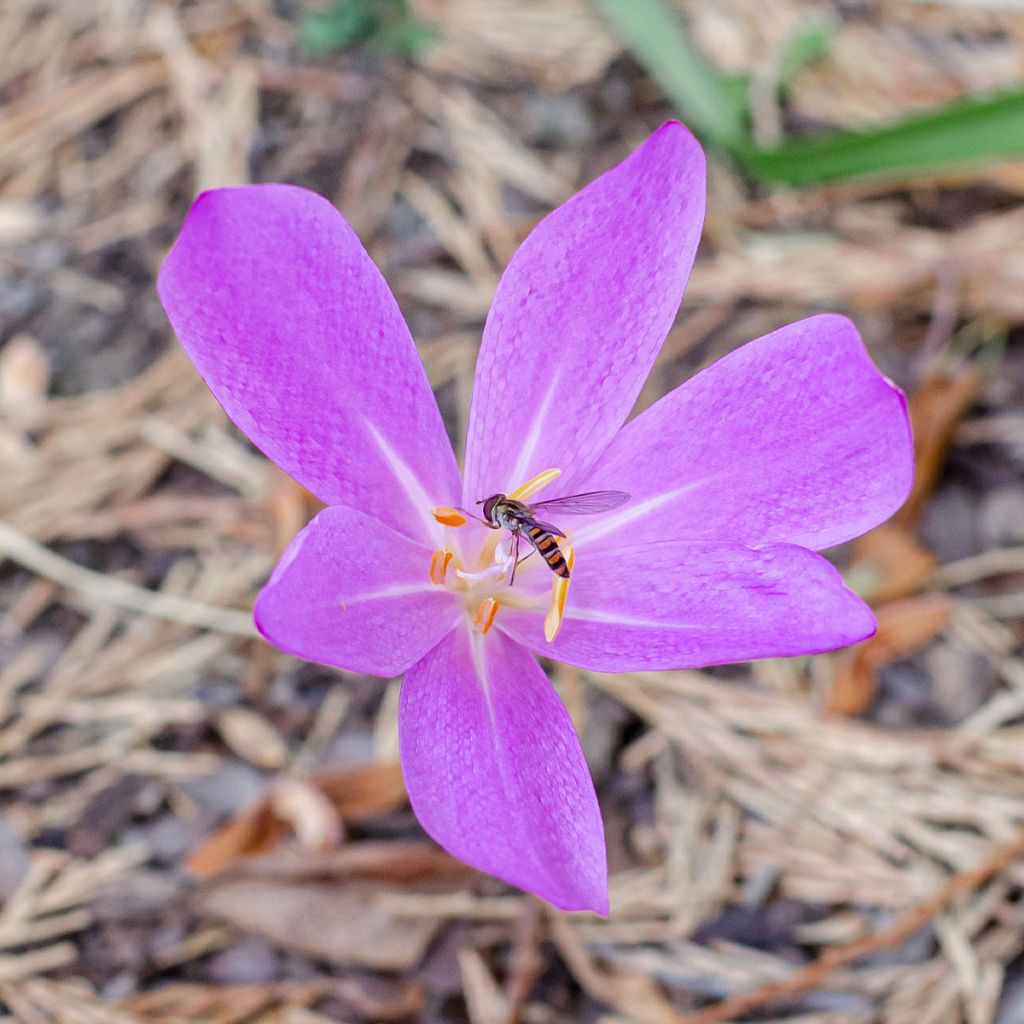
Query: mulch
[{"x": 196, "y": 827}]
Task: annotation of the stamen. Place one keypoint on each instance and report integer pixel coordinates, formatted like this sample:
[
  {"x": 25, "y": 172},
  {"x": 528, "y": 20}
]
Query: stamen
[
  {"x": 439, "y": 562},
  {"x": 485, "y": 615},
  {"x": 448, "y": 516},
  {"x": 559, "y": 590},
  {"x": 531, "y": 487},
  {"x": 521, "y": 493}
]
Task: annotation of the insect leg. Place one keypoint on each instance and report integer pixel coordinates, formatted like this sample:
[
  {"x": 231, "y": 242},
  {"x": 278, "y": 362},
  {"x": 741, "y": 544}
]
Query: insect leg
[{"x": 515, "y": 557}]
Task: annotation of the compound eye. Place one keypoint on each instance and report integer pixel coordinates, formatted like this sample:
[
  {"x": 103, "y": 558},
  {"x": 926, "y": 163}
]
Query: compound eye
[{"x": 488, "y": 508}]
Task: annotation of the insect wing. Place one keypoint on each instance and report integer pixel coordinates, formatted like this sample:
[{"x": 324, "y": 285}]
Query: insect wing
[{"x": 586, "y": 504}]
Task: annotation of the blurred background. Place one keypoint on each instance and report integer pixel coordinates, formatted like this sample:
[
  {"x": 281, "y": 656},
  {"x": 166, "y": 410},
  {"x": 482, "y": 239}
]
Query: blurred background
[{"x": 196, "y": 827}]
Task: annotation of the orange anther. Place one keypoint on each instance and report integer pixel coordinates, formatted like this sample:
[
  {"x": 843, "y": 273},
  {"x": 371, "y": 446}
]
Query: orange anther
[
  {"x": 439, "y": 562},
  {"x": 485, "y": 615},
  {"x": 448, "y": 516}
]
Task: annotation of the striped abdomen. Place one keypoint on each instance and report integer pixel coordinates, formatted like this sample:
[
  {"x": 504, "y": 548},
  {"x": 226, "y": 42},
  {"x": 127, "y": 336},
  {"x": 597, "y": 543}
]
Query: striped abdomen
[{"x": 549, "y": 550}]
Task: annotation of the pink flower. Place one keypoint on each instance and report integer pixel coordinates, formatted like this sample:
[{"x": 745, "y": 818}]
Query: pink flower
[{"x": 789, "y": 445}]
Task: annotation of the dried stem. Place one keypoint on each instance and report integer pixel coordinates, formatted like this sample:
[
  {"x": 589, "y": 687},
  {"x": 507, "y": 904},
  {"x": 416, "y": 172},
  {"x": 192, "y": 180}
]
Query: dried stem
[{"x": 104, "y": 589}]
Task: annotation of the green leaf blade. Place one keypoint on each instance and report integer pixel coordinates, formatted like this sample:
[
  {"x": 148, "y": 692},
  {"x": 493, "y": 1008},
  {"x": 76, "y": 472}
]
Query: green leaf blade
[
  {"x": 709, "y": 102},
  {"x": 961, "y": 134}
]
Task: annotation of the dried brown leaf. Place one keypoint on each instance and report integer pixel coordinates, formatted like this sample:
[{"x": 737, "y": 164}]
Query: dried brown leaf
[
  {"x": 340, "y": 924},
  {"x": 364, "y": 791},
  {"x": 890, "y": 563},
  {"x": 24, "y": 371},
  {"x": 387, "y": 860},
  {"x": 333, "y": 796},
  {"x": 291, "y": 506},
  {"x": 252, "y": 738},
  {"x": 936, "y": 409},
  {"x": 256, "y": 830},
  {"x": 20, "y": 221},
  {"x": 903, "y": 628},
  {"x": 309, "y": 814}
]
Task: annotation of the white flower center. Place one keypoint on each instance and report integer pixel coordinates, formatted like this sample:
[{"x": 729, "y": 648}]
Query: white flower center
[{"x": 484, "y": 585}]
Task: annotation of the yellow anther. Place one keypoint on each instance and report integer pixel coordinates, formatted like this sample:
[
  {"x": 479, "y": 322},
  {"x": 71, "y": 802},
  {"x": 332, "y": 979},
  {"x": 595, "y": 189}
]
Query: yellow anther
[
  {"x": 439, "y": 562},
  {"x": 531, "y": 487},
  {"x": 485, "y": 615},
  {"x": 559, "y": 590},
  {"x": 448, "y": 516}
]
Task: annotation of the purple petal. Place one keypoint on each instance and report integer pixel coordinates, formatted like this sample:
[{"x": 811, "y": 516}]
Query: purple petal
[
  {"x": 580, "y": 315},
  {"x": 683, "y": 605},
  {"x": 795, "y": 437},
  {"x": 495, "y": 772},
  {"x": 299, "y": 338},
  {"x": 352, "y": 593}
]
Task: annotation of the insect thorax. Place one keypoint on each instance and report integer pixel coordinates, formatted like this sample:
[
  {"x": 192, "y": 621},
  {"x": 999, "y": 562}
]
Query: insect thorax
[{"x": 510, "y": 514}]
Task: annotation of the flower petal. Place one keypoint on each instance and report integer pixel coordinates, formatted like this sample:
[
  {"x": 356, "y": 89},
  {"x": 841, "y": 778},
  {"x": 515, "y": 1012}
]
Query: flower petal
[
  {"x": 495, "y": 772},
  {"x": 580, "y": 314},
  {"x": 352, "y": 593},
  {"x": 299, "y": 338},
  {"x": 684, "y": 605},
  {"x": 795, "y": 437}
]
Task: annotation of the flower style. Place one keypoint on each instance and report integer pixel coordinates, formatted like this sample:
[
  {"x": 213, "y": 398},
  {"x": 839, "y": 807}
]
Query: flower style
[{"x": 788, "y": 445}]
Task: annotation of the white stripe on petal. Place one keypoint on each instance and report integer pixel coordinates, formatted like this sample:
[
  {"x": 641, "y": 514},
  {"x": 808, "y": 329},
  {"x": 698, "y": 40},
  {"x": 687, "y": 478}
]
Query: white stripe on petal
[
  {"x": 419, "y": 500},
  {"x": 590, "y": 532}
]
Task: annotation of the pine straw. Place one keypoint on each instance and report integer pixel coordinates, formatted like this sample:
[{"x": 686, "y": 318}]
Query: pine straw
[{"x": 136, "y": 525}]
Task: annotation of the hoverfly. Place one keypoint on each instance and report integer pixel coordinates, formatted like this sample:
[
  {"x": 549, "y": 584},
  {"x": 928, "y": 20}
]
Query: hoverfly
[{"x": 504, "y": 513}]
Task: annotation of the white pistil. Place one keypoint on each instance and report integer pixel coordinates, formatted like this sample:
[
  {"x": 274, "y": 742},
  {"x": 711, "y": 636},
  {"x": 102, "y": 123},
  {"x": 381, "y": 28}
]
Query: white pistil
[
  {"x": 500, "y": 568},
  {"x": 491, "y": 572}
]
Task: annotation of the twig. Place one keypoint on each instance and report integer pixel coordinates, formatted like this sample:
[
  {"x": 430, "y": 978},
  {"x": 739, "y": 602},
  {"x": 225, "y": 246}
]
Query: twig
[
  {"x": 526, "y": 963},
  {"x": 1002, "y": 562},
  {"x": 37, "y": 961},
  {"x": 1000, "y": 606},
  {"x": 109, "y": 590},
  {"x": 813, "y": 974}
]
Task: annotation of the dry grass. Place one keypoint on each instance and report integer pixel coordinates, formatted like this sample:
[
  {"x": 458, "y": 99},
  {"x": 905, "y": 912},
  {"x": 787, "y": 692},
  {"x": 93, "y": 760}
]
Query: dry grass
[{"x": 770, "y": 856}]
